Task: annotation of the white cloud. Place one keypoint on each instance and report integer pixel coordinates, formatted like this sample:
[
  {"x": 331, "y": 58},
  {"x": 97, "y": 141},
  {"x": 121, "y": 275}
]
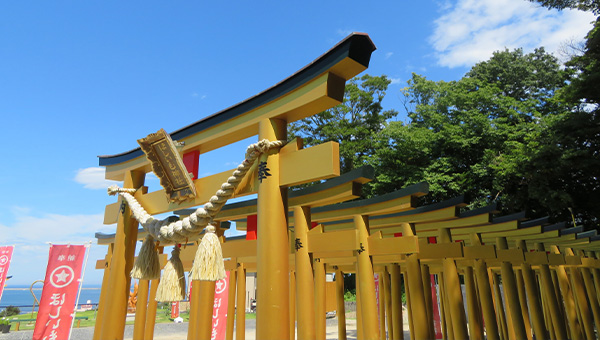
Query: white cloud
[
  {"x": 37, "y": 227},
  {"x": 31, "y": 232},
  {"x": 388, "y": 55},
  {"x": 93, "y": 178},
  {"x": 395, "y": 81},
  {"x": 470, "y": 31}
]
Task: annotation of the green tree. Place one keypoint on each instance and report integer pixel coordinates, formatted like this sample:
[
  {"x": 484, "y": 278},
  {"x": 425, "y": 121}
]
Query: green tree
[
  {"x": 573, "y": 141},
  {"x": 584, "y": 89},
  {"x": 482, "y": 135},
  {"x": 575, "y": 136},
  {"x": 10, "y": 311},
  {"x": 354, "y": 123}
]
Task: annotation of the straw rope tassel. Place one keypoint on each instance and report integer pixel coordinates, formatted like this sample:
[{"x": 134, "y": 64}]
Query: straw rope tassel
[
  {"x": 172, "y": 284},
  {"x": 208, "y": 263},
  {"x": 147, "y": 264}
]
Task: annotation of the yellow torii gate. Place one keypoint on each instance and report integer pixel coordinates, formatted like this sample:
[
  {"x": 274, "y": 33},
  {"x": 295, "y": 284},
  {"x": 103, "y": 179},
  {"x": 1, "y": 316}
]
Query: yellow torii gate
[{"x": 315, "y": 88}]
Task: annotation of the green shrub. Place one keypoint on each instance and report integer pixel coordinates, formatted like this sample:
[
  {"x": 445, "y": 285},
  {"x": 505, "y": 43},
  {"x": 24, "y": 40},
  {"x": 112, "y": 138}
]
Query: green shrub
[
  {"x": 350, "y": 295},
  {"x": 10, "y": 311}
]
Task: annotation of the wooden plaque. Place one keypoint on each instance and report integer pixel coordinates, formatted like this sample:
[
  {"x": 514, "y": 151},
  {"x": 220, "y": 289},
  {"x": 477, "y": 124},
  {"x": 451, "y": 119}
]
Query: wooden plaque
[{"x": 168, "y": 166}]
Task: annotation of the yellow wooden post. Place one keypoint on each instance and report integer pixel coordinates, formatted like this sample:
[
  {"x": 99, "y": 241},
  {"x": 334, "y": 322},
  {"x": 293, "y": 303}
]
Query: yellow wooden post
[
  {"x": 381, "y": 307},
  {"x": 596, "y": 274},
  {"x": 103, "y": 293},
  {"x": 366, "y": 280},
  {"x": 454, "y": 299},
  {"x": 113, "y": 323},
  {"x": 305, "y": 290},
  {"x": 580, "y": 296},
  {"x": 320, "y": 300},
  {"x": 231, "y": 305},
  {"x": 531, "y": 287},
  {"x": 567, "y": 298},
  {"x": 396, "y": 295},
  {"x": 523, "y": 302},
  {"x": 485, "y": 294},
  {"x": 359, "y": 323},
  {"x": 341, "y": 307},
  {"x": 547, "y": 318},
  {"x": 509, "y": 286},
  {"x": 559, "y": 297},
  {"x": 417, "y": 295},
  {"x": 272, "y": 322},
  {"x": 449, "y": 328},
  {"x": 553, "y": 302},
  {"x": 475, "y": 327},
  {"x": 580, "y": 317},
  {"x": 442, "y": 302},
  {"x": 428, "y": 298},
  {"x": 292, "y": 295},
  {"x": 240, "y": 320},
  {"x": 591, "y": 292},
  {"x": 152, "y": 304},
  {"x": 499, "y": 307},
  {"x": 487, "y": 302},
  {"x": 139, "y": 325},
  {"x": 533, "y": 298},
  {"x": 455, "y": 304},
  {"x": 204, "y": 319},
  {"x": 388, "y": 305},
  {"x": 411, "y": 325},
  {"x": 195, "y": 310}
]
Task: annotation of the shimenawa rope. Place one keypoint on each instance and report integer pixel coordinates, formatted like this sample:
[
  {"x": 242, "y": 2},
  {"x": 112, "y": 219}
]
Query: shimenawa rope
[{"x": 208, "y": 264}]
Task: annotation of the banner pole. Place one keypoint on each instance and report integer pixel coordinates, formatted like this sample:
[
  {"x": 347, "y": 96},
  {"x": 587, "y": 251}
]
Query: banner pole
[{"x": 87, "y": 254}]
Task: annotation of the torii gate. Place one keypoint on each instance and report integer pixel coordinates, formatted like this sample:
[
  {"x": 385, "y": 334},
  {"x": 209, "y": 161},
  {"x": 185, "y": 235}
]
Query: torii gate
[{"x": 315, "y": 88}]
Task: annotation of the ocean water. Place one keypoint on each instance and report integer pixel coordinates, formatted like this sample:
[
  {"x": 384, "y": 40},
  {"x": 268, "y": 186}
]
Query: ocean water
[{"x": 21, "y": 297}]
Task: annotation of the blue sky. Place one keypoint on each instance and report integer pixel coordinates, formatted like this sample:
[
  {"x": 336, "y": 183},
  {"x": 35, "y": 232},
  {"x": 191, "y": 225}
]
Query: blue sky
[{"x": 80, "y": 79}]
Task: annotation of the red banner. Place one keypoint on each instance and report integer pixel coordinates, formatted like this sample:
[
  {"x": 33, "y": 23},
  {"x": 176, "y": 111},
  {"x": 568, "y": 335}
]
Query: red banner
[
  {"x": 5, "y": 256},
  {"x": 437, "y": 322},
  {"x": 219, "y": 323},
  {"x": 376, "y": 276},
  {"x": 175, "y": 309},
  {"x": 59, "y": 295}
]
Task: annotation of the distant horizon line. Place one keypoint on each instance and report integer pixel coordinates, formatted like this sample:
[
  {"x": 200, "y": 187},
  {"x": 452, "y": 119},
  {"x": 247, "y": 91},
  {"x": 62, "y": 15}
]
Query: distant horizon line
[{"x": 26, "y": 287}]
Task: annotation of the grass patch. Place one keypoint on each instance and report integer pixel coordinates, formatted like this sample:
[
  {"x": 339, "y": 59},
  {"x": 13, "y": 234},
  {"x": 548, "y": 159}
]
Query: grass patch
[{"x": 163, "y": 315}]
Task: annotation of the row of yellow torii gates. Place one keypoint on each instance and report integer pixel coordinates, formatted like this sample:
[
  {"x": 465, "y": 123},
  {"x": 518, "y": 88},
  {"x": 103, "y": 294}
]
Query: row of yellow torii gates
[{"x": 549, "y": 273}]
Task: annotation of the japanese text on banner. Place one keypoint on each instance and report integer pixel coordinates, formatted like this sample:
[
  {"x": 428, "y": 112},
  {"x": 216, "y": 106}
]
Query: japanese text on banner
[{"x": 5, "y": 257}]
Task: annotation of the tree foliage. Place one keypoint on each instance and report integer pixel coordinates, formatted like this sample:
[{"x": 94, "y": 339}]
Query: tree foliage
[
  {"x": 584, "y": 5},
  {"x": 10, "y": 311},
  {"x": 354, "y": 123},
  {"x": 475, "y": 136},
  {"x": 584, "y": 88}
]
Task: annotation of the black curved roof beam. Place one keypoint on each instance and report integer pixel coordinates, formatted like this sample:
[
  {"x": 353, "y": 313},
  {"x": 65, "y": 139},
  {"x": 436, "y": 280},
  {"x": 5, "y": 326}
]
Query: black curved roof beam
[{"x": 342, "y": 62}]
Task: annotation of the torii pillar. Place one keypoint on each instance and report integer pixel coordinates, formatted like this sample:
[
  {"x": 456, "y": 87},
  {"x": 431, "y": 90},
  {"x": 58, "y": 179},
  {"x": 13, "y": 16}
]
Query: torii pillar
[{"x": 272, "y": 322}]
